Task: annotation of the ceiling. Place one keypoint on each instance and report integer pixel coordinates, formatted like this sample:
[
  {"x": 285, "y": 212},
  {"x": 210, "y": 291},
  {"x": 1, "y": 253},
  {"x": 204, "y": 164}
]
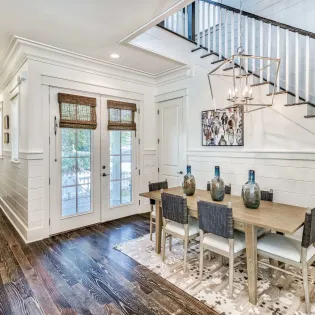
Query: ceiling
[{"x": 89, "y": 27}]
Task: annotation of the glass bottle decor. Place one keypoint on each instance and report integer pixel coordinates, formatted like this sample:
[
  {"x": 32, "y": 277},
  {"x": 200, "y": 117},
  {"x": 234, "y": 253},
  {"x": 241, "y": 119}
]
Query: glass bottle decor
[
  {"x": 251, "y": 194},
  {"x": 189, "y": 184},
  {"x": 217, "y": 186}
]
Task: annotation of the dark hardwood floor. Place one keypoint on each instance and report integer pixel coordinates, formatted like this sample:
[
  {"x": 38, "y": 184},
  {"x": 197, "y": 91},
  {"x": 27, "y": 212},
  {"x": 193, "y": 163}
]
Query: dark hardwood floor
[{"x": 80, "y": 273}]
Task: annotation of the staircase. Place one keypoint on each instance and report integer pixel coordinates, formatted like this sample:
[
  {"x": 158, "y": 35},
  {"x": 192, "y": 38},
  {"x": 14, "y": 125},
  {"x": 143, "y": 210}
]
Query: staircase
[{"x": 216, "y": 28}]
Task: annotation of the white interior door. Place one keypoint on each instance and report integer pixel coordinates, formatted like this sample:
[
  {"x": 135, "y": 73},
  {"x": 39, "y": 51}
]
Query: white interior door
[
  {"x": 119, "y": 163},
  {"x": 74, "y": 171},
  {"x": 171, "y": 142}
]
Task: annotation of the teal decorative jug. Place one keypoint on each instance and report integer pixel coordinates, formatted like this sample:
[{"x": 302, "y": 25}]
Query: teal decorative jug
[
  {"x": 251, "y": 192},
  {"x": 189, "y": 184},
  {"x": 217, "y": 186}
]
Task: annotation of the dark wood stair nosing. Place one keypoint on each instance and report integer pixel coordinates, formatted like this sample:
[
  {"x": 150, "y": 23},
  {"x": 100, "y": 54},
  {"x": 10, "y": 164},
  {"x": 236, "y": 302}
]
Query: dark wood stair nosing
[
  {"x": 300, "y": 103},
  {"x": 309, "y": 116},
  {"x": 207, "y": 55},
  {"x": 198, "y": 48},
  {"x": 217, "y": 61},
  {"x": 259, "y": 84}
]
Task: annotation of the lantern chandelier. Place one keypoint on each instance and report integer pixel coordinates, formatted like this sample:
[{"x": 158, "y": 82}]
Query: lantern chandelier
[{"x": 244, "y": 77}]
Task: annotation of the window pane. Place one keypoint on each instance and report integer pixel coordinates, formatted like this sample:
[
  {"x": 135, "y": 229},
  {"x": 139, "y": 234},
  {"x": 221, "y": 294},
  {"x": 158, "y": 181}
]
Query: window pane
[
  {"x": 114, "y": 142},
  {"x": 69, "y": 206},
  {"x": 126, "y": 166},
  {"x": 15, "y": 129},
  {"x": 76, "y": 171},
  {"x": 114, "y": 167},
  {"x": 68, "y": 171},
  {"x": 125, "y": 142},
  {"x": 84, "y": 142},
  {"x": 114, "y": 114},
  {"x": 84, "y": 170},
  {"x": 68, "y": 139},
  {"x": 126, "y": 115},
  {"x": 114, "y": 193},
  {"x": 126, "y": 191},
  {"x": 84, "y": 198}
]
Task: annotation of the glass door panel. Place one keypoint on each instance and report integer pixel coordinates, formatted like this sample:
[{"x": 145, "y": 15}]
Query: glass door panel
[
  {"x": 76, "y": 171},
  {"x": 120, "y": 168}
]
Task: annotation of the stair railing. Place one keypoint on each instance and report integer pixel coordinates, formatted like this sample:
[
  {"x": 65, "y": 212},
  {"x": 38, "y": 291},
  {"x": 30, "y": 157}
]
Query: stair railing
[{"x": 216, "y": 28}]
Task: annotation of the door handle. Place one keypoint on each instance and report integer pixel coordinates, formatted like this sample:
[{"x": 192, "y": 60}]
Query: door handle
[
  {"x": 104, "y": 174},
  {"x": 181, "y": 172}
]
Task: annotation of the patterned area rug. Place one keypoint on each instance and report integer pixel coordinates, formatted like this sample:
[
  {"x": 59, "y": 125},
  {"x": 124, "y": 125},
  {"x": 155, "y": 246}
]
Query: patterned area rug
[{"x": 278, "y": 293}]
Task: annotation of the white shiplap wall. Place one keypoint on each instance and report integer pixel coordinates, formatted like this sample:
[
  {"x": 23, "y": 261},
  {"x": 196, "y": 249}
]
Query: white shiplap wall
[
  {"x": 292, "y": 180},
  {"x": 21, "y": 193}
]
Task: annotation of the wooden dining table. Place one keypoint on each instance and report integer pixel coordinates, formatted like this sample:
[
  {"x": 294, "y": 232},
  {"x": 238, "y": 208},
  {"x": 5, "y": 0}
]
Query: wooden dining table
[{"x": 270, "y": 215}]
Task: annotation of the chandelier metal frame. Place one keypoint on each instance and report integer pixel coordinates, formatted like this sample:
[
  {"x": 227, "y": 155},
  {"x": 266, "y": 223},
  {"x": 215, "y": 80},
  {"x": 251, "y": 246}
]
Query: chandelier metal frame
[{"x": 236, "y": 98}]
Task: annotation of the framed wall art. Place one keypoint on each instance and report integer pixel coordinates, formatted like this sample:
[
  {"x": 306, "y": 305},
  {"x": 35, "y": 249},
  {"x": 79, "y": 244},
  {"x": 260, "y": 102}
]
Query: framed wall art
[
  {"x": 6, "y": 122},
  {"x": 6, "y": 137},
  {"x": 223, "y": 127}
]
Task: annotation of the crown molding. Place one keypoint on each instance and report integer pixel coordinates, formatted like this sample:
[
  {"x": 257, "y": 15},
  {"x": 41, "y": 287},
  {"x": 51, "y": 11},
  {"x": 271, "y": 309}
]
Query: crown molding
[{"x": 22, "y": 50}]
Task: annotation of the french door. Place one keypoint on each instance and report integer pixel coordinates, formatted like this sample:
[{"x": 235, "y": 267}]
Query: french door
[
  {"x": 93, "y": 173},
  {"x": 120, "y": 178},
  {"x": 74, "y": 180}
]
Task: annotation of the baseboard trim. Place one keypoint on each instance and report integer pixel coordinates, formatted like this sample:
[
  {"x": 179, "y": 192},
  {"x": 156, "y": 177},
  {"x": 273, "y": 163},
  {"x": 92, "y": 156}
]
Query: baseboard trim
[
  {"x": 15, "y": 221},
  {"x": 27, "y": 235}
]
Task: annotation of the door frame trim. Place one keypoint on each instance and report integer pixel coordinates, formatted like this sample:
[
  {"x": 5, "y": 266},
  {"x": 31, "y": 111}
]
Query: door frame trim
[{"x": 53, "y": 82}]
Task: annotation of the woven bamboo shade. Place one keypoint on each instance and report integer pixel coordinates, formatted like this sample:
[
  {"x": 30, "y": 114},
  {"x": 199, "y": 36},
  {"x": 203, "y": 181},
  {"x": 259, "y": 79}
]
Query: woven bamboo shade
[
  {"x": 77, "y": 111},
  {"x": 121, "y": 115}
]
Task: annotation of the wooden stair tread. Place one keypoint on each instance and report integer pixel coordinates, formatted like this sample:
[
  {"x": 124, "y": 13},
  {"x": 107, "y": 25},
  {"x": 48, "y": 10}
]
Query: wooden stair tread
[
  {"x": 198, "y": 48},
  {"x": 278, "y": 93},
  {"x": 258, "y": 84},
  {"x": 207, "y": 55},
  {"x": 300, "y": 103},
  {"x": 217, "y": 61},
  {"x": 309, "y": 116}
]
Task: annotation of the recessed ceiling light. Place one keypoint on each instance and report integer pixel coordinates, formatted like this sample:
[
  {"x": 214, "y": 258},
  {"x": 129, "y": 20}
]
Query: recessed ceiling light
[{"x": 114, "y": 56}]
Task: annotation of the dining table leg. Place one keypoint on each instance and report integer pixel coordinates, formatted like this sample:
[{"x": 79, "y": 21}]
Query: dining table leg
[
  {"x": 158, "y": 227},
  {"x": 251, "y": 255}
]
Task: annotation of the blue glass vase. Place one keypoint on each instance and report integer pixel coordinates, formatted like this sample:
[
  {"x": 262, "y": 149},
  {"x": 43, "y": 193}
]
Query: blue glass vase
[
  {"x": 217, "y": 186},
  {"x": 189, "y": 184},
  {"x": 251, "y": 192}
]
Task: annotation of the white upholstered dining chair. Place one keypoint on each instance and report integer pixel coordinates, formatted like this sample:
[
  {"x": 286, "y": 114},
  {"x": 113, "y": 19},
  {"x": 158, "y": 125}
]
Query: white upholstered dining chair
[
  {"x": 300, "y": 254},
  {"x": 218, "y": 235},
  {"x": 177, "y": 222}
]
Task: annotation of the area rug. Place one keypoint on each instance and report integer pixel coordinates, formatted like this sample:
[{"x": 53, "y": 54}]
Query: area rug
[{"x": 278, "y": 293}]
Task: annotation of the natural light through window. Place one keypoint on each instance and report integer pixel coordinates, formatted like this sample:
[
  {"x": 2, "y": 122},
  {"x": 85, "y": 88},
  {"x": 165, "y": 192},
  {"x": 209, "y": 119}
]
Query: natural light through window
[
  {"x": 120, "y": 168},
  {"x": 76, "y": 171},
  {"x": 15, "y": 129}
]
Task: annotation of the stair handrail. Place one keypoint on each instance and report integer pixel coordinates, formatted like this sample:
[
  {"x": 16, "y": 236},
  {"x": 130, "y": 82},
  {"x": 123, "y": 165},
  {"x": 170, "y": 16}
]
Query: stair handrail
[{"x": 263, "y": 19}]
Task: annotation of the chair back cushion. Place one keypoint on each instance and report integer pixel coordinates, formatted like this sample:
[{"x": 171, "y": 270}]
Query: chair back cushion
[
  {"x": 216, "y": 219},
  {"x": 157, "y": 186},
  {"x": 309, "y": 229},
  {"x": 228, "y": 189},
  {"x": 174, "y": 208},
  {"x": 266, "y": 195}
]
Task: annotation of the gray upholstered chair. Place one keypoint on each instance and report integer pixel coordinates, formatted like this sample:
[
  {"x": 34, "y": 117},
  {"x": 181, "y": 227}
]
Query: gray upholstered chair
[
  {"x": 177, "y": 222},
  {"x": 293, "y": 252},
  {"x": 218, "y": 235},
  {"x": 228, "y": 189},
  {"x": 153, "y": 187},
  {"x": 266, "y": 195}
]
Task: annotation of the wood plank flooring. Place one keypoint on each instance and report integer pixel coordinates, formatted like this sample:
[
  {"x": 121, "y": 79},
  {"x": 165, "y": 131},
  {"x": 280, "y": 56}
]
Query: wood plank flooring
[{"x": 80, "y": 273}]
